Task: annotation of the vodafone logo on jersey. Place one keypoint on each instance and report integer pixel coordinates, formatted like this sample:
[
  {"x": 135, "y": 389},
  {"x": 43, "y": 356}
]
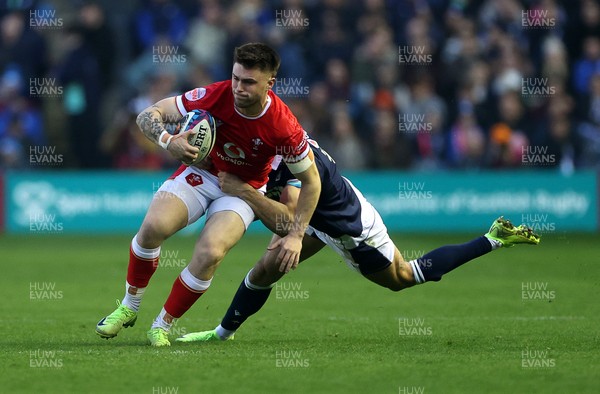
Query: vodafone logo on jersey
[
  {"x": 233, "y": 151},
  {"x": 195, "y": 94}
]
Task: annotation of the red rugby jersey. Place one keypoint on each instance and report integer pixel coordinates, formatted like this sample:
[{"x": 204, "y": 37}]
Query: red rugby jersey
[{"x": 245, "y": 146}]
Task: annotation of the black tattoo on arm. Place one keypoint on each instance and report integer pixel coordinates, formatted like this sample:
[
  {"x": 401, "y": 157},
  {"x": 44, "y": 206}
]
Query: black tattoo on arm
[{"x": 151, "y": 123}]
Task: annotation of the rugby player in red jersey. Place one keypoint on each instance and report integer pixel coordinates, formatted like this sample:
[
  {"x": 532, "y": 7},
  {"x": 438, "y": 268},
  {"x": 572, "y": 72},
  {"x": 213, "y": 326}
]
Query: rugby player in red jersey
[{"x": 253, "y": 126}]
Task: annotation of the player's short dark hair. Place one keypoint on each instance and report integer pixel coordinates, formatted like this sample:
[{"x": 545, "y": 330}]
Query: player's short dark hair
[{"x": 257, "y": 55}]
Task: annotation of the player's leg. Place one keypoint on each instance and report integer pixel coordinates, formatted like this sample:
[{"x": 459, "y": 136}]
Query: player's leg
[
  {"x": 253, "y": 292},
  {"x": 175, "y": 199},
  {"x": 433, "y": 265},
  {"x": 396, "y": 276},
  {"x": 228, "y": 219},
  {"x": 175, "y": 205},
  {"x": 383, "y": 264},
  {"x": 266, "y": 270},
  {"x": 167, "y": 215},
  {"x": 375, "y": 256}
]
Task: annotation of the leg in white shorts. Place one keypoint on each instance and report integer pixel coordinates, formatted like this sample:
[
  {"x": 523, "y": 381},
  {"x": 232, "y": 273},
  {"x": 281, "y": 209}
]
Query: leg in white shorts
[
  {"x": 371, "y": 251},
  {"x": 200, "y": 192}
]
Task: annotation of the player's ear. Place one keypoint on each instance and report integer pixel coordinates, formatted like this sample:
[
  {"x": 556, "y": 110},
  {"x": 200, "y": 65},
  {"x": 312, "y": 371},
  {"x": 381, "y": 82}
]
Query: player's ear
[{"x": 270, "y": 83}]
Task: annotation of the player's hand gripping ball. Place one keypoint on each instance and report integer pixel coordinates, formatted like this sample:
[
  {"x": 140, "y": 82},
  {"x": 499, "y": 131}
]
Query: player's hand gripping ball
[{"x": 203, "y": 128}]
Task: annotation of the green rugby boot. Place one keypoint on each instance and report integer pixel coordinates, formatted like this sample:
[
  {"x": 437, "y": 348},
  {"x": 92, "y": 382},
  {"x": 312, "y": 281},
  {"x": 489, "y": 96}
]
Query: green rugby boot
[
  {"x": 202, "y": 336},
  {"x": 110, "y": 325},
  {"x": 158, "y": 337},
  {"x": 503, "y": 231}
]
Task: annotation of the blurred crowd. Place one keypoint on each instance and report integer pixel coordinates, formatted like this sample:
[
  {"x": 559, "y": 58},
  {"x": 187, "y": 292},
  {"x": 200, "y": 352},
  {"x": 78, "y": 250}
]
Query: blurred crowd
[{"x": 381, "y": 84}]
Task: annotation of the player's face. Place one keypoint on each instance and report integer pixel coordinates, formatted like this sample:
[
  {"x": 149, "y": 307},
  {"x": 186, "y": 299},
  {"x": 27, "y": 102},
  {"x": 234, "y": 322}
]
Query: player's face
[{"x": 250, "y": 87}]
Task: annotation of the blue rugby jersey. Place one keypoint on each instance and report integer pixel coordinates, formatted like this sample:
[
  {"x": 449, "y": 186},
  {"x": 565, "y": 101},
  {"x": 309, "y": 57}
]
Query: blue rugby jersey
[{"x": 338, "y": 210}]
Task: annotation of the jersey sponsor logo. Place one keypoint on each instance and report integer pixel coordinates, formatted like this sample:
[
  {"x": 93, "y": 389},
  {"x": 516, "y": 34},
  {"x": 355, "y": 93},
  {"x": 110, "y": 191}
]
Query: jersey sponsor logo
[
  {"x": 237, "y": 162},
  {"x": 194, "y": 179},
  {"x": 233, "y": 151},
  {"x": 195, "y": 94}
]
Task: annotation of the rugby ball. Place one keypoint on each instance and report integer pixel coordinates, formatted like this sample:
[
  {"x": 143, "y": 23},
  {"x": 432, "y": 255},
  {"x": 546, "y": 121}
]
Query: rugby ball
[{"x": 203, "y": 127}]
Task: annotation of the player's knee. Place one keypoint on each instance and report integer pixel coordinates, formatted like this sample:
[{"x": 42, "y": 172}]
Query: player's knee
[
  {"x": 152, "y": 233},
  {"x": 265, "y": 271},
  {"x": 260, "y": 277},
  {"x": 209, "y": 254}
]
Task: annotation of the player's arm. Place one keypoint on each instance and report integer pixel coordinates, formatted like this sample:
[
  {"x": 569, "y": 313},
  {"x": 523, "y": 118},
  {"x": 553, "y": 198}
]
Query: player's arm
[
  {"x": 291, "y": 245},
  {"x": 152, "y": 123},
  {"x": 275, "y": 215}
]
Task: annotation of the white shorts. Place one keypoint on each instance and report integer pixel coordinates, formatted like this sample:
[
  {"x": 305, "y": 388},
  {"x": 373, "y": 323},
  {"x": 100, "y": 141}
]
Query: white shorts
[
  {"x": 372, "y": 250},
  {"x": 200, "y": 192}
]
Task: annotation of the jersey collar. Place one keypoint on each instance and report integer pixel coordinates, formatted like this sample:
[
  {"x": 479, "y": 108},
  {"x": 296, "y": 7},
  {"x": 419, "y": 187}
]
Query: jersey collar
[{"x": 267, "y": 105}]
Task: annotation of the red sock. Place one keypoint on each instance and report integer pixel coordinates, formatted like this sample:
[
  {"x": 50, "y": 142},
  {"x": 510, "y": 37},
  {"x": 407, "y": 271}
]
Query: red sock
[
  {"x": 185, "y": 291},
  {"x": 142, "y": 264},
  {"x": 181, "y": 298}
]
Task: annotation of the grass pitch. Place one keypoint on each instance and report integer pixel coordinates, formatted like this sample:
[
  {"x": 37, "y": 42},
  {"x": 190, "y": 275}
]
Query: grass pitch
[{"x": 523, "y": 320}]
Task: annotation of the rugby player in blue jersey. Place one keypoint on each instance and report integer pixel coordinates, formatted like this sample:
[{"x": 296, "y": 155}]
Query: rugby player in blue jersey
[{"x": 347, "y": 222}]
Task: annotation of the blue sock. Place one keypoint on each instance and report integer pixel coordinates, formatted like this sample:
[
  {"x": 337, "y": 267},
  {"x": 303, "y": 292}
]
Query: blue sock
[
  {"x": 431, "y": 266},
  {"x": 247, "y": 301}
]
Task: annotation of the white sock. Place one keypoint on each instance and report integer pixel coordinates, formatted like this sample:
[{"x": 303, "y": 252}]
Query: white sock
[
  {"x": 223, "y": 333},
  {"x": 132, "y": 301},
  {"x": 192, "y": 282},
  {"x": 252, "y": 286},
  {"x": 495, "y": 244},
  {"x": 417, "y": 273},
  {"x": 160, "y": 322},
  {"x": 144, "y": 253}
]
